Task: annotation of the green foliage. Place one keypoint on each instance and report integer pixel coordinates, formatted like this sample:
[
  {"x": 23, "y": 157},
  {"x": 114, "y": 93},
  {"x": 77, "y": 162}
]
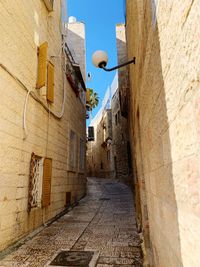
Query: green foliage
[{"x": 94, "y": 99}]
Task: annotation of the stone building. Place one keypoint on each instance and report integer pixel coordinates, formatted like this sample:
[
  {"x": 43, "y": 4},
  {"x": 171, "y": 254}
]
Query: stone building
[
  {"x": 107, "y": 155},
  {"x": 42, "y": 122},
  {"x": 164, "y": 127},
  {"x": 99, "y": 151}
]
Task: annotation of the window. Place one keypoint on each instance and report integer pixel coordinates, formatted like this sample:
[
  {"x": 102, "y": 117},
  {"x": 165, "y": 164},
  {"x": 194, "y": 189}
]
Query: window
[
  {"x": 35, "y": 182},
  {"x": 39, "y": 182},
  {"x": 72, "y": 149},
  {"x": 90, "y": 133},
  {"x": 82, "y": 155}
]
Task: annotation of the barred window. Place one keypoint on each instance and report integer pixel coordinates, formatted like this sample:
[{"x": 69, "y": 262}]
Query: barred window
[{"x": 35, "y": 182}]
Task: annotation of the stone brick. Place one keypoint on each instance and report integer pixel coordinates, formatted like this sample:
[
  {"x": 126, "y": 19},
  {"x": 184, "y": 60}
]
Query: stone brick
[{"x": 164, "y": 125}]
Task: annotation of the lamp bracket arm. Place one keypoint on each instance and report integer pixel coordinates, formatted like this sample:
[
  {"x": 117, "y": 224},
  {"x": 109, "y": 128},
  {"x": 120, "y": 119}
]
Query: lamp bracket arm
[{"x": 102, "y": 66}]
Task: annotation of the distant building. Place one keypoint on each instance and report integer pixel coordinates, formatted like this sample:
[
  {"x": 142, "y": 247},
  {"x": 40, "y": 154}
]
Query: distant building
[
  {"x": 109, "y": 155},
  {"x": 99, "y": 152}
]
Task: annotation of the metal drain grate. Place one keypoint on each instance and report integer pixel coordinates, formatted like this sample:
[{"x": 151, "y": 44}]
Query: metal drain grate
[{"x": 73, "y": 258}]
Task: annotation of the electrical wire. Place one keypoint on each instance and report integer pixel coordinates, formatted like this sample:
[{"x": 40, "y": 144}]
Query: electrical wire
[
  {"x": 33, "y": 94},
  {"x": 56, "y": 115},
  {"x": 35, "y": 97},
  {"x": 24, "y": 115}
]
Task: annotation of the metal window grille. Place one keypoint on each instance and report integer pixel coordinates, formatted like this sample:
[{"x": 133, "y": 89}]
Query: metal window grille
[{"x": 35, "y": 182}]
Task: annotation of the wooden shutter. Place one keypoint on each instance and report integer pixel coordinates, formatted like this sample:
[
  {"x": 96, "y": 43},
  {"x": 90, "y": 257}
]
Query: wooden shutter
[
  {"x": 46, "y": 187},
  {"x": 88, "y": 96},
  {"x": 50, "y": 82},
  {"x": 42, "y": 59}
]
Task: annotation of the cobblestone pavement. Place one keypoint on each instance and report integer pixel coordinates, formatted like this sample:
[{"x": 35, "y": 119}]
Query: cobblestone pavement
[{"x": 103, "y": 222}]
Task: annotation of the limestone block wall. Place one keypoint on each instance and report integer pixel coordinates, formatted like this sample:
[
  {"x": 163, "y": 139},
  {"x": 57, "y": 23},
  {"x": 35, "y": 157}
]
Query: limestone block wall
[
  {"x": 119, "y": 140},
  {"x": 24, "y": 26},
  {"x": 123, "y": 73},
  {"x": 120, "y": 108},
  {"x": 165, "y": 89},
  {"x": 76, "y": 42}
]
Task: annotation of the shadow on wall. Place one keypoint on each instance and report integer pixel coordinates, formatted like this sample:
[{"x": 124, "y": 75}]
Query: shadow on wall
[{"x": 154, "y": 186}]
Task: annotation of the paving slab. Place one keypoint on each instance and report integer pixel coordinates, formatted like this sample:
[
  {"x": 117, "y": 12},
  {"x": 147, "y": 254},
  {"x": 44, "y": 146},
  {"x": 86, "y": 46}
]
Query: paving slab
[{"x": 103, "y": 223}]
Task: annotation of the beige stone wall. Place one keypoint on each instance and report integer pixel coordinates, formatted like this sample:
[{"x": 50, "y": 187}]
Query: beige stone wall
[
  {"x": 165, "y": 92},
  {"x": 119, "y": 141},
  {"x": 123, "y": 72},
  {"x": 24, "y": 26},
  {"x": 119, "y": 107},
  {"x": 76, "y": 42}
]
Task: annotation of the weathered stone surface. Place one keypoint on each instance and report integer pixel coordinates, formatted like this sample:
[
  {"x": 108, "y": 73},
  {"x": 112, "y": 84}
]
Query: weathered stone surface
[
  {"x": 64, "y": 234},
  {"x": 164, "y": 126}
]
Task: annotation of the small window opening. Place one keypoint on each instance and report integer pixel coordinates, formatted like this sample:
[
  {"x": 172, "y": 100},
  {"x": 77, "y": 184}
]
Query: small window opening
[{"x": 35, "y": 182}]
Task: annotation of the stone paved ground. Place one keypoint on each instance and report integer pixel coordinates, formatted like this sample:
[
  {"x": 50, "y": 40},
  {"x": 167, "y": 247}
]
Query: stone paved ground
[{"x": 103, "y": 221}]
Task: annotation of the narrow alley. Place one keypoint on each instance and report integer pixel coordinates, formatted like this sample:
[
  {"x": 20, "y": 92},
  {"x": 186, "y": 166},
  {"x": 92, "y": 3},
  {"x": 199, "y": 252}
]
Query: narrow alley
[
  {"x": 100, "y": 133},
  {"x": 102, "y": 223}
]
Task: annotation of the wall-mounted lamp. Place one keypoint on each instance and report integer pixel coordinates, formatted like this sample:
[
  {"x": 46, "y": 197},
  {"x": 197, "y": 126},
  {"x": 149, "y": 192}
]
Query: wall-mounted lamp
[{"x": 100, "y": 60}]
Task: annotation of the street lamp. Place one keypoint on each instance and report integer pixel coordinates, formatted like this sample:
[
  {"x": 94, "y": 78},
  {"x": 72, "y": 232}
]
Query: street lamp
[{"x": 100, "y": 60}]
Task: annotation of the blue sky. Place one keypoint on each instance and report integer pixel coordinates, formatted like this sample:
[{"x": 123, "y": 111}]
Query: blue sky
[{"x": 100, "y": 18}]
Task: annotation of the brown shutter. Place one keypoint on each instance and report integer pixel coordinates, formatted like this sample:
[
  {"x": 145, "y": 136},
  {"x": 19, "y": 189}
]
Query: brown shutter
[
  {"x": 50, "y": 83},
  {"x": 46, "y": 187},
  {"x": 42, "y": 59},
  {"x": 88, "y": 96}
]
